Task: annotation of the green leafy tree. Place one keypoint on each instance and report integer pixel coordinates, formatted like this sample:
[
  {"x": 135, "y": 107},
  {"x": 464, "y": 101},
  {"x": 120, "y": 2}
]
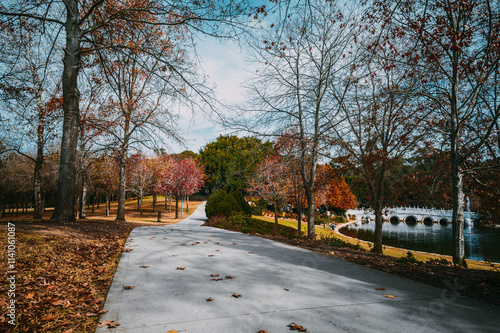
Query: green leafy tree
[{"x": 231, "y": 161}]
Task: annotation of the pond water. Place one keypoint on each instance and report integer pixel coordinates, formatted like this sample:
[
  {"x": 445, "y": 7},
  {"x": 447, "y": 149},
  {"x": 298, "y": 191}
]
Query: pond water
[{"x": 480, "y": 243}]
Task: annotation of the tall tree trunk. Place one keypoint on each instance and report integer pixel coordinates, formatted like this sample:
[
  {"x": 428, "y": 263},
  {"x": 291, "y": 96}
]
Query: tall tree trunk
[
  {"x": 311, "y": 232},
  {"x": 377, "y": 237},
  {"x": 182, "y": 204},
  {"x": 176, "y": 206},
  {"x": 83, "y": 197},
  {"x": 37, "y": 177},
  {"x": 139, "y": 199},
  {"x": 120, "y": 215},
  {"x": 276, "y": 218},
  {"x": 93, "y": 202},
  {"x": 456, "y": 173},
  {"x": 107, "y": 204},
  {"x": 187, "y": 203},
  {"x": 64, "y": 210},
  {"x": 299, "y": 220},
  {"x": 155, "y": 196},
  {"x": 170, "y": 203}
]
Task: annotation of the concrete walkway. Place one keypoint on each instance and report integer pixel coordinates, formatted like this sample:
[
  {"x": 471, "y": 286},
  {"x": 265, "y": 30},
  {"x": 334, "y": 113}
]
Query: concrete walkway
[{"x": 279, "y": 284}]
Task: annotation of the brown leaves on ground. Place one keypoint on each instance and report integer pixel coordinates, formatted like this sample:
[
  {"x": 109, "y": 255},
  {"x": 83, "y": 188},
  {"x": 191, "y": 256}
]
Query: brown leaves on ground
[
  {"x": 128, "y": 287},
  {"x": 144, "y": 266},
  {"x": 230, "y": 277},
  {"x": 214, "y": 275},
  {"x": 181, "y": 268},
  {"x": 109, "y": 323},
  {"x": 210, "y": 299},
  {"x": 389, "y": 296},
  {"x": 296, "y": 327},
  {"x": 235, "y": 295},
  {"x": 63, "y": 272},
  {"x": 381, "y": 288}
]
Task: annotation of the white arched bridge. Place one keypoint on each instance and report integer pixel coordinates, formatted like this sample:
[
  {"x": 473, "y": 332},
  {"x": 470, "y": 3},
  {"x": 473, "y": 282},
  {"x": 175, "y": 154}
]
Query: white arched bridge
[{"x": 411, "y": 215}]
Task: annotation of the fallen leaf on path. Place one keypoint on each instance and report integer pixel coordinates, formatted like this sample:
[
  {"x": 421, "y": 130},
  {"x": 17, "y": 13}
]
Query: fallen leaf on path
[
  {"x": 174, "y": 255},
  {"x": 183, "y": 245},
  {"x": 214, "y": 275},
  {"x": 215, "y": 279},
  {"x": 211, "y": 255},
  {"x": 181, "y": 268},
  {"x": 389, "y": 296},
  {"x": 235, "y": 243},
  {"x": 113, "y": 325},
  {"x": 172, "y": 331},
  {"x": 128, "y": 287},
  {"x": 128, "y": 250},
  {"x": 217, "y": 243},
  {"x": 210, "y": 299},
  {"x": 230, "y": 277},
  {"x": 381, "y": 288},
  {"x": 262, "y": 331},
  {"x": 236, "y": 295},
  {"x": 295, "y": 327},
  {"x": 251, "y": 252},
  {"x": 144, "y": 266},
  {"x": 287, "y": 289},
  {"x": 109, "y": 323}
]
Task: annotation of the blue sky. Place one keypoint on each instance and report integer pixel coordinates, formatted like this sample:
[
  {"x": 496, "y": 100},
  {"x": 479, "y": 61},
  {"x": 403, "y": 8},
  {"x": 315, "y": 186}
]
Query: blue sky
[{"x": 224, "y": 63}]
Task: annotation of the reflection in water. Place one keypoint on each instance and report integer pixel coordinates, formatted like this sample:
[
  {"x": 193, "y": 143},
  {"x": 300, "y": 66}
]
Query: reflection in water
[{"x": 480, "y": 243}]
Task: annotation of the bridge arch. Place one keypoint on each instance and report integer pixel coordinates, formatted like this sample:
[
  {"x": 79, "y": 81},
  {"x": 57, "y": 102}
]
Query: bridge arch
[
  {"x": 394, "y": 219},
  {"x": 411, "y": 220},
  {"x": 444, "y": 221},
  {"x": 428, "y": 220}
]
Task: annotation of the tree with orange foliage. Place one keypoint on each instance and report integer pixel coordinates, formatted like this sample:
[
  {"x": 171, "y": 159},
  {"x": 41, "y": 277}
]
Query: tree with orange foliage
[{"x": 332, "y": 191}]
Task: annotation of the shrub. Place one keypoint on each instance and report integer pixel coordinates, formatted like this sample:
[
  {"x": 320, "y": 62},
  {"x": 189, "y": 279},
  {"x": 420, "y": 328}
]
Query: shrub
[
  {"x": 221, "y": 204},
  {"x": 245, "y": 207},
  {"x": 409, "y": 258},
  {"x": 339, "y": 219}
]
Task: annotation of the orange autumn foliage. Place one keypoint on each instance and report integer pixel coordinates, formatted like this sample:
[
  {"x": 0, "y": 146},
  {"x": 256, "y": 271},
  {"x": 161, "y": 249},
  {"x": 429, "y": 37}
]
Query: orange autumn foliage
[{"x": 331, "y": 190}]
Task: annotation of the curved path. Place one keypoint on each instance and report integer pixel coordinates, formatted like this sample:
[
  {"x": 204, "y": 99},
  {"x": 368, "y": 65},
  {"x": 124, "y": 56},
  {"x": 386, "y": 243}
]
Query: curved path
[{"x": 279, "y": 284}]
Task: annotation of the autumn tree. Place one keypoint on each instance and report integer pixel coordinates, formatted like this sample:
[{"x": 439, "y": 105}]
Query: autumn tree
[
  {"x": 286, "y": 146},
  {"x": 299, "y": 77},
  {"x": 383, "y": 122},
  {"x": 271, "y": 182},
  {"x": 31, "y": 96},
  {"x": 456, "y": 45},
  {"x": 332, "y": 190},
  {"x": 183, "y": 177},
  {"x": 143, "y": 90},
  {"x": 139, "y": 176},
  {"x": 104, "y": 176},
  {"x": 81, "y": 23}
]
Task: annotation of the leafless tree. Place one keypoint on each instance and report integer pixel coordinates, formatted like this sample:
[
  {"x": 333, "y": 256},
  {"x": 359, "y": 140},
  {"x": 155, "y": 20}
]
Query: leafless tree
[{"x": 302, "y": 69}]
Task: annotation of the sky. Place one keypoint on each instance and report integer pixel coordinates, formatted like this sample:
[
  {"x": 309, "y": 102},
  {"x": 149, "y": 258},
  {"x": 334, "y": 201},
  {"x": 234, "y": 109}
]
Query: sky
[{"x": 224, "y": 63}]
